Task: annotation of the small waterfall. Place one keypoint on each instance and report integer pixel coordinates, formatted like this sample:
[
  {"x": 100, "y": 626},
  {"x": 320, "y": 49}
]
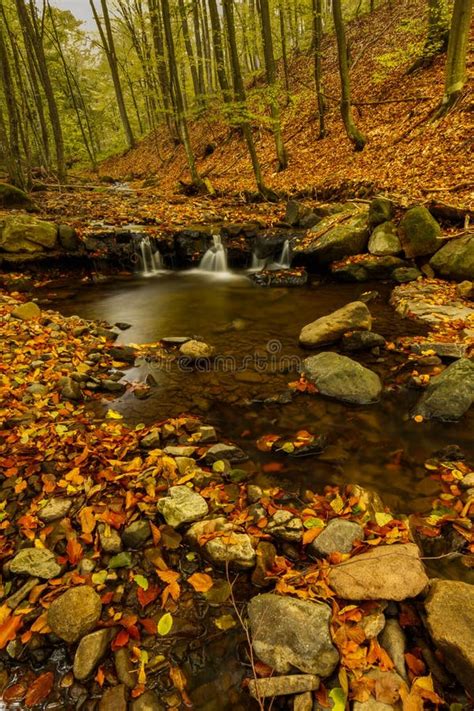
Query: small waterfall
[
  {"x": 215, "y": 259},
  {"x": 285, "y": 257},
  {"x": 257, "y": 264},
  {"x": 150, "y": 259}
]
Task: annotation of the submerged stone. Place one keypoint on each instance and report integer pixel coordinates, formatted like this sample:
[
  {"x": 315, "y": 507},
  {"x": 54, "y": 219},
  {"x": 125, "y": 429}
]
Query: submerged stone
[{"x": 344, "y": 379}]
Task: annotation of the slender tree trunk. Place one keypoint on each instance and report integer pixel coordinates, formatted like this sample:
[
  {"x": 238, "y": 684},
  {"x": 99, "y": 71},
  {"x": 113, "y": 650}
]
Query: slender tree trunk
[
  {"x": 357, "y": 138},
  {"x": 109, "y": 49},
  {"x": 271, "y": 73},
  {"x": 239, "y": 91},
  {"x": 219, "y": 51},
  {"x": 318, "y": 71},
  {"x": 181, "y": 119},
  {"x": 161, "y": 68},
  {"x": 29, "y": 23},
  {"x": 455, "y": 76},
  {"x": 199, "y": 49},
  {"x": 284, "y": 54},
  {"x": 11, "y": 137},
  {"x": 189, "y": 51}
]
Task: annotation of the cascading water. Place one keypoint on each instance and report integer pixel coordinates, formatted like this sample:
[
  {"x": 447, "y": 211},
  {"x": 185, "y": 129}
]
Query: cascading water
[
  {"x": 215, "y": 259},
  {"x": 283, "y": 262},
  {"x": 257, "y": 263},
  {"x": 150, "y": 259},
  {"x": 285, "y": 257}
]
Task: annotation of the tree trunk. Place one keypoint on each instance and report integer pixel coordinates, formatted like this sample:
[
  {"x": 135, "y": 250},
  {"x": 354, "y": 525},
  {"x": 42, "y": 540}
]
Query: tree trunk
[
  {"x": 219, "y": 51},
  {"x": 455, "y": 76},
  {"x": 161, "y": 68},
  {"x": 11, "y": 137},
  {"x": 189, "y": 51},
  {"x": 318, "y": 72},
  {"x": 109, "y": 49},
  {"x": 357, "y": 138},
  {"x": 271, "y": 73},
  {"x": 181, "y": 119},
  {"x": 284, "y": 55},
  {"x": 239, "y": 91}
]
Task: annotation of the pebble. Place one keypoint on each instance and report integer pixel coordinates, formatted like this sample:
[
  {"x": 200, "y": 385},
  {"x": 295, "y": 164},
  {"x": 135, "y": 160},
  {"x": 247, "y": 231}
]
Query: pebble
[
  {"x": 39, "y": 562},
  {"x": 75, "y": 613},
  {"x": 89, "y": 652}
]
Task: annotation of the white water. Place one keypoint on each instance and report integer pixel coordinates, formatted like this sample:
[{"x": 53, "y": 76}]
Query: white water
[
  {"x": 215, "y": 259},
  {"x": 150, "y": 258},
  {"x": 257, "y": 263},
  {"x": 283, "y": 262},
  {"x": 285, "y": 257}
]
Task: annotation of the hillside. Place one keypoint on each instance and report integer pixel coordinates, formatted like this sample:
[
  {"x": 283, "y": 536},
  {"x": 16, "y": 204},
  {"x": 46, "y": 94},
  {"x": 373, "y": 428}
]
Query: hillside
[{"x": 404, "y": 147}]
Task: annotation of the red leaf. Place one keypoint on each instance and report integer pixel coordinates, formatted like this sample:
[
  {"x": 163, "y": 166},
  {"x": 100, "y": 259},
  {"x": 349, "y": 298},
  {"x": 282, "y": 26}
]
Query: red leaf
[
  {"x": 147, "y": 596},
  {"x": 40, "y": 689},
  {"x": 120, "y": 640}
]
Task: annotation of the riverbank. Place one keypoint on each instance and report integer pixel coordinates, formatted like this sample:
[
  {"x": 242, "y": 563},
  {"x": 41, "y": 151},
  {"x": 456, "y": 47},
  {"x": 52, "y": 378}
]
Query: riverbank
[{"x": 161, "y": 535}]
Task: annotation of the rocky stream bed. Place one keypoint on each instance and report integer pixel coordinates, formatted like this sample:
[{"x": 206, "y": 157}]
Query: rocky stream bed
[{"x": 295, "y": 535}]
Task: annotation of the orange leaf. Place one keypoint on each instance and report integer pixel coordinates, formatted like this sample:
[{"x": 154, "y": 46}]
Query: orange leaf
[
  {"x": 201, "y": 582},
  {"x": 40, "y": 689},
  {"x": 9, "y": 629},
  {"x": 74, "y": 551}
]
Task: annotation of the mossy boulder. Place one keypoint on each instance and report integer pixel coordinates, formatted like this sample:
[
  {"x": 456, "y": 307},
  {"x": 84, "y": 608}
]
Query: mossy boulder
[
  {"x": 367, "y": 267},
  {"x": 384, "y": 240},
  {"x": 381, "y": 209},
  {"x": 419, "y": 232},
  {"x": 25, "y": 233},
  {"x": 68, "y": 238},
  {"x": 455, "y": 260},
  {"x": 331, "y": 240},
  {"x": 14, "y": 198}
]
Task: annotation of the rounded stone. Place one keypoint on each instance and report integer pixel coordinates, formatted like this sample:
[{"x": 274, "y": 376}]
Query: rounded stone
[
  {"x": 75, "y": 613},
  {"x": 39, "y": 562}
]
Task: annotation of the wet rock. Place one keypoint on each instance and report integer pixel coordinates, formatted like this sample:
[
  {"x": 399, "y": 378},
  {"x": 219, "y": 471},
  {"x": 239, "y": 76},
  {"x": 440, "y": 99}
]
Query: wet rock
[
  {"x": 194, "y": 350},
  {"x": 14, "y": 600},
  {"x": 24, "y": 233},
  {"x": 465, "y": 289},
  {"x": 373, "y": 624},
  {"x": 287, "y": 633},
  {"x": 206, "y": 434},
  {"x": 68, "y": 238},
  {"x": 38, "y": 562},
  {"x": 175, "y": 340},
  {"x": 329, "y": 329},
  {"x": 280, "y": 277},
  {"x": 381, "y": 210},
  {"x": 362, "y": 341},
  {"x": 266, "y": 553},
  {"x": 419, "y": 232},
  {"x": 148, "y": 701},
  {"x": 27, "y": 312},
  {"x": 137, "y": 534},
  {"x": 282, "y": 685},
  {"x": 233, "y": 547},
  {"x": 303, "y": 702},
  {"x": 337, "y": 537},
  {"x": 110, "y": 540},
  {"x": 450, "y": 394},
  {"x": 182, "y": 506},
  {"x": 384, "y": 573},
  {"x": 71, "y": 390},
  {"x": 443, "y": 349},
  {"x": 125, "y": 669},
  {"x": 406, "y": 274},
  {"x": 90, "y": 651},
  {"x": 384, "y": 240},
  {"x": 122, "y": 325},
  {"x": 179, "y": 451},
  {"x": 112, "y": 386},
  {"x": 152, "y": 440},
  {"x": 367, "y": 267},
  {"x": 125, "y": 354},
  {"x": 286, "y": 526},
  {"x": 114, "y": 699},
  {"x": 54, "y": 509},
  {"x": 230, "y": 452},
  {"x": 298, "y": 215},
  {"x": 394, "y": 642},
  {"x": 450, "y": 621},
  {"x": 75, "y": 613},
  {"x": 340, "y": 377},
  {"x": 14, "y": 198},
  {"x": 455, "y": 259},
  {"x": 335, "y": 242}
]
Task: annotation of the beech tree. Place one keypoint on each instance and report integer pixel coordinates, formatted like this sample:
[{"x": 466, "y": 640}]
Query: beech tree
[{"x": 455, "y": 76}]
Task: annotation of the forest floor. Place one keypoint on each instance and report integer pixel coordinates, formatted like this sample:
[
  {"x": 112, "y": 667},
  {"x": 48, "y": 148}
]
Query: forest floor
[{"x": 407, "y": 155}]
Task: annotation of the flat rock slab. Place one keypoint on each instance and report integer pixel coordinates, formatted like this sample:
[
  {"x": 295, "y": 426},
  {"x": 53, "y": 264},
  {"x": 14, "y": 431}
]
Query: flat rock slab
[
  {"x": 228, "y": 547},
  {"x": 384, "y": 573},
  {"x": 338, "y": 536},
  {"x": 354, "y": 316},
  {"x": 290, "y": 633},
  {"x": 283, "y": 685},
  {"x": 183, "y": 505},
  {"x": 39, "y": 562},
  {"x": 450, "y": 620},
  {"x": 342, "y": 378}
]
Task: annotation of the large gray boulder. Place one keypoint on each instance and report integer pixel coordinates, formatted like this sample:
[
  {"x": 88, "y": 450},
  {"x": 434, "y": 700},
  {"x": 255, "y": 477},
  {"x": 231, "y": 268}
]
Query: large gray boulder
[
  {"x": 75, "y": 613},
  {"x": 384, "y": 240},
  {"x": 450, "y": 620},
  {"x": 381, "y": 209},
  {"x": 455, "y": 260},
  {"x": 342, "y": 378},
  {"x": 449, "y": 394},
  {"x": 354, "y": 316},
  {"x": 385, "y": 573},
  {"x": 419, "y": 232},
  {"x": 24, "y": 233},
  {"x": 341, "y": 240},
  {"x": 183, "y": 505},
  {"x": 290, "y": 633}
]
